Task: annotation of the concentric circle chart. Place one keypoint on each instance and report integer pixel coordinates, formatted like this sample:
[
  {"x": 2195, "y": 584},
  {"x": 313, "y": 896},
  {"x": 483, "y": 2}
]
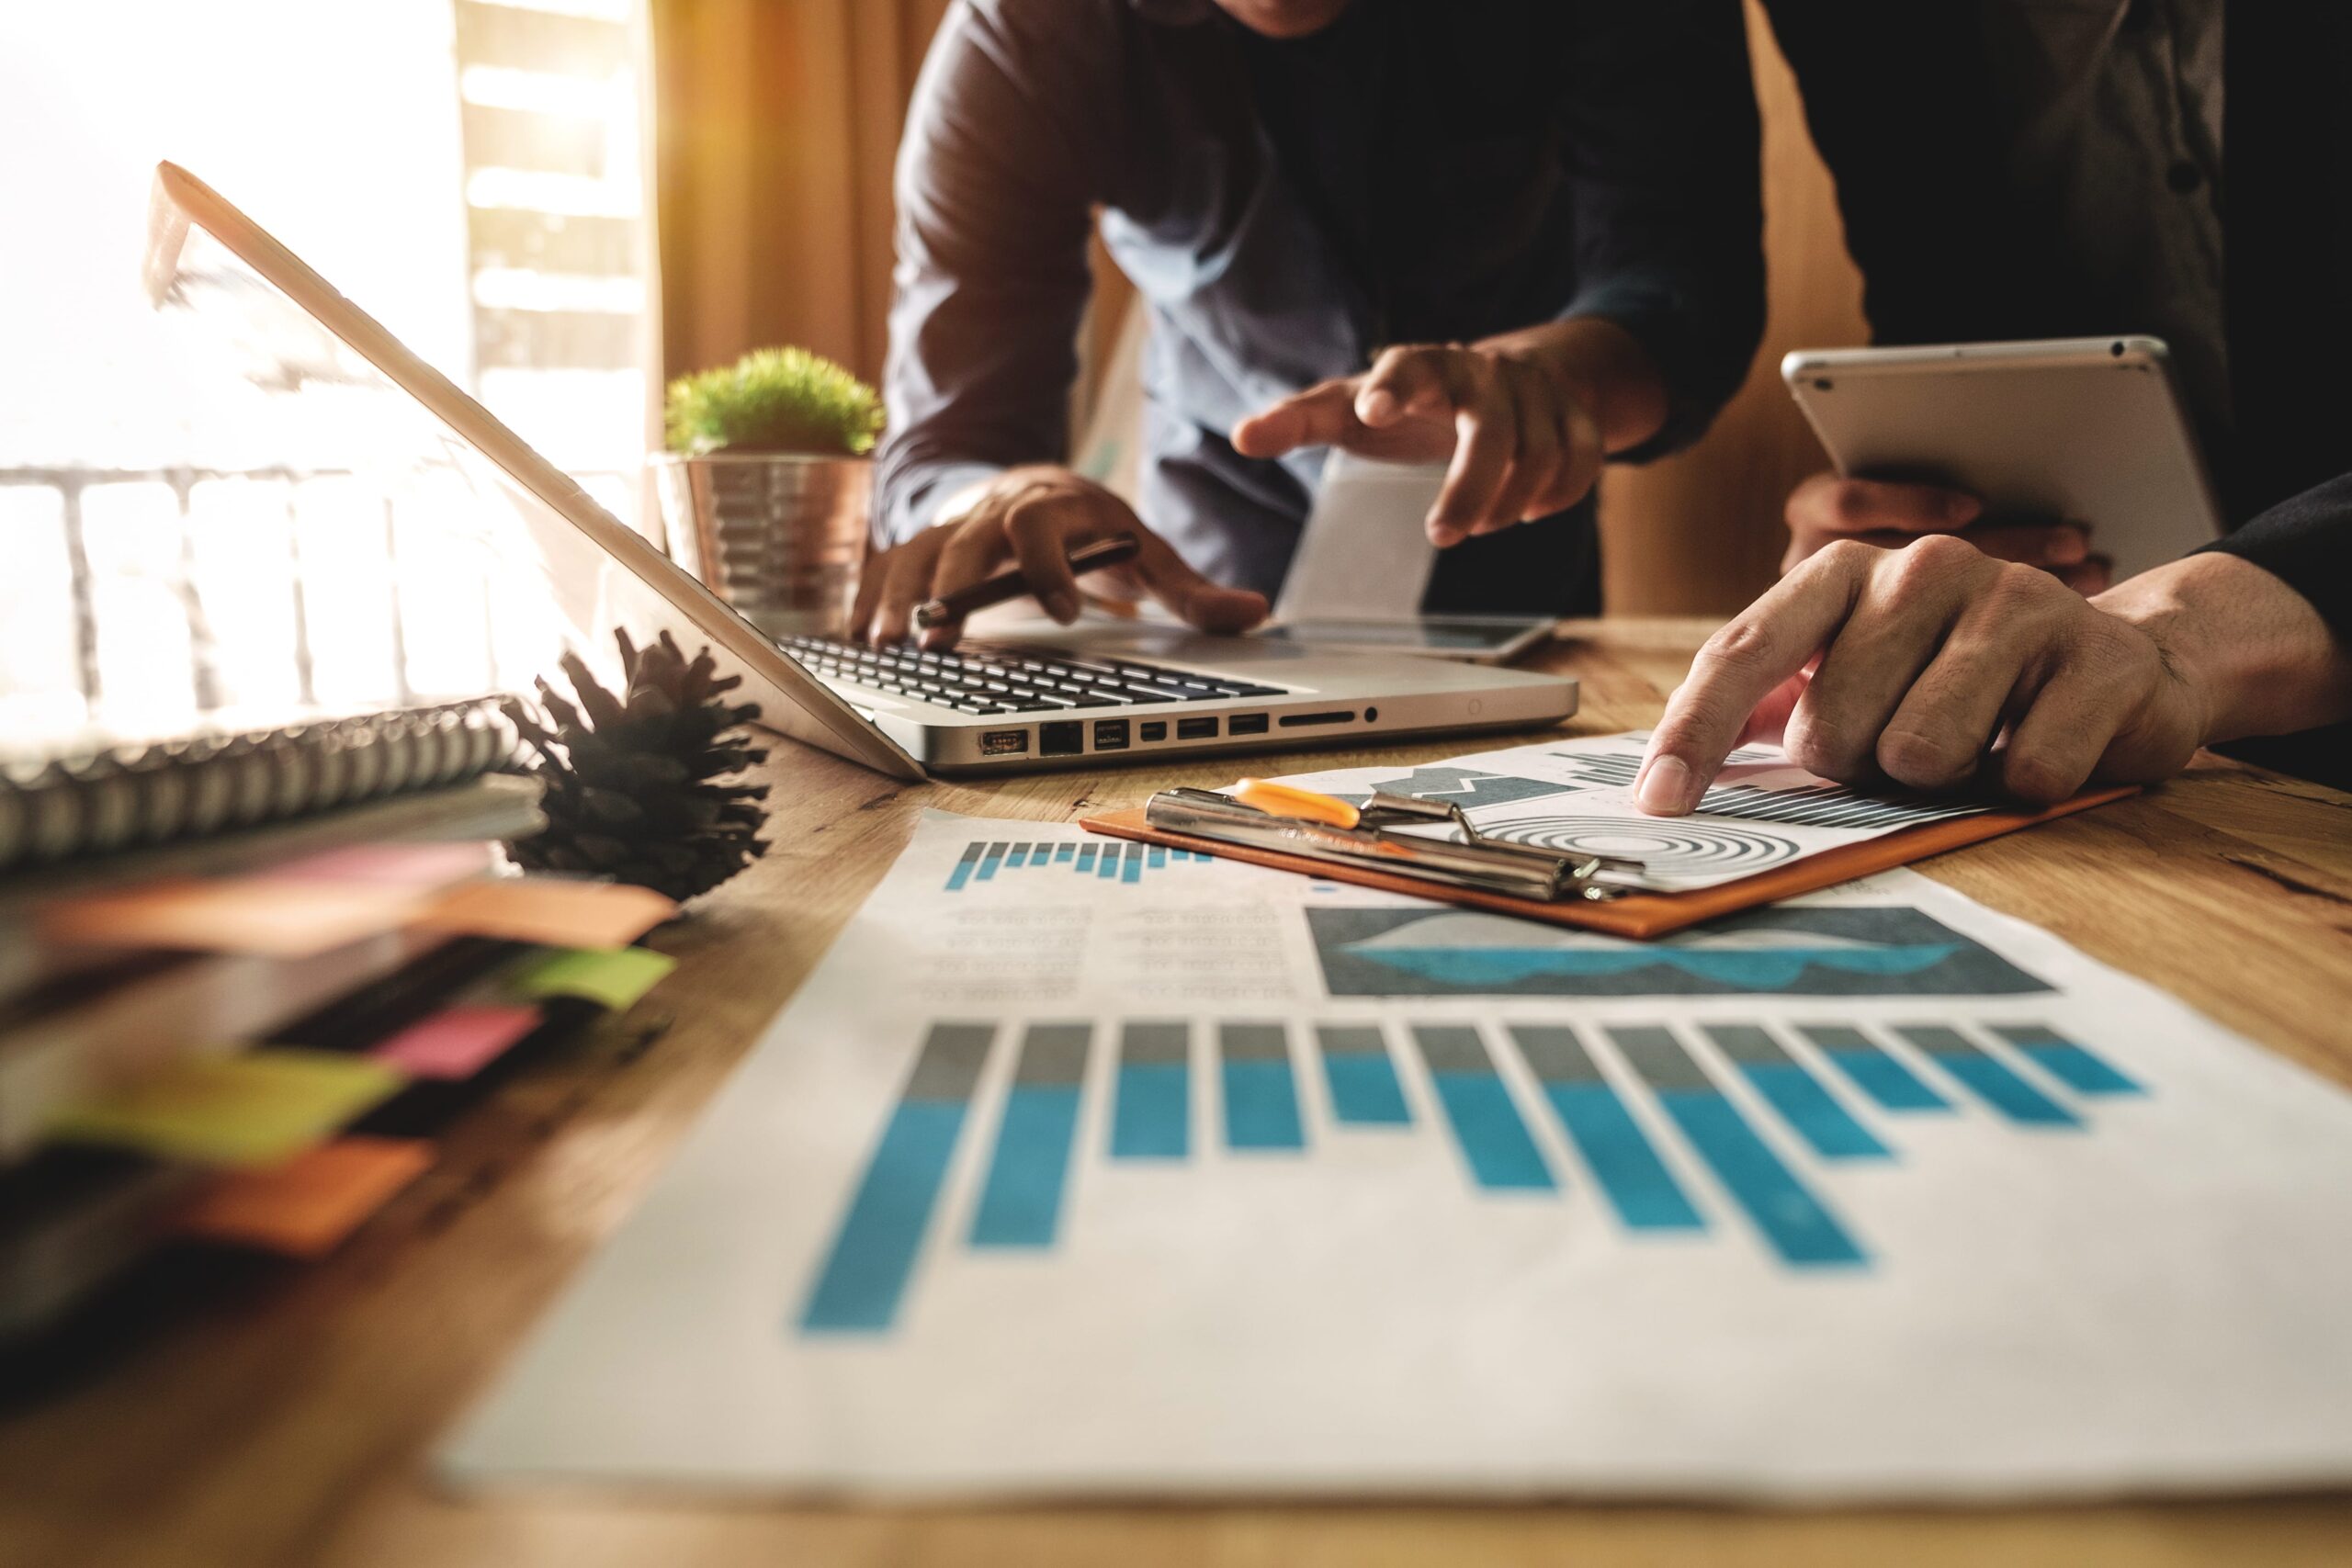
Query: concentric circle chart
[{"x": 1666, "y": 849}]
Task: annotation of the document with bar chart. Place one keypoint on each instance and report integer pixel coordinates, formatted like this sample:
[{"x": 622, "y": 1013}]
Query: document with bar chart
[
  {"x": 1576, "y": 795},
  {"x": 1085, "y": 1167}
]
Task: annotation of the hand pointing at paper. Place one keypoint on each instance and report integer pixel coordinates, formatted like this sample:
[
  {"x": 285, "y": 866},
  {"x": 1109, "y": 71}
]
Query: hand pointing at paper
[
  {"x": 1935, "y": 667},
  {"x": 1523, "y": 419}
]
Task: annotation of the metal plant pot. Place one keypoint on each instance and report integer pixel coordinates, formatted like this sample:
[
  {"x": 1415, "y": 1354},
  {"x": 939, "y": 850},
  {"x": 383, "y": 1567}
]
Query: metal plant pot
[{"x": 780, "y": 537}]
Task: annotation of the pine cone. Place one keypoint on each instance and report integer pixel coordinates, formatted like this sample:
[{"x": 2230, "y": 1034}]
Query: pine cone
[{"x": 632, "y": 789}]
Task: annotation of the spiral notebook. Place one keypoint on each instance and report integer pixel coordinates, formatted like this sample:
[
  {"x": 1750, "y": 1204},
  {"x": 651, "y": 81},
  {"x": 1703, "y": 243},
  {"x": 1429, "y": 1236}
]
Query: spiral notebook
[{"x": 131, "y": 797}]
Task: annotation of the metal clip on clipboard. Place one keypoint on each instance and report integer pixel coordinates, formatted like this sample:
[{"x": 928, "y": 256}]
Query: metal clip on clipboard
[{"x": 1315, "y": 826}]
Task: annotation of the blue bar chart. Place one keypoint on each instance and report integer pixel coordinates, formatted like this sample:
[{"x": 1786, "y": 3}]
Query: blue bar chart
[
  {"x": 2069, "y": 1063},
  {"x": 1020, "y": 1205},
  {"x": 1810, "y": 1109},
  {"x": 1641, "y": 1119},
  {"x": 1261, "y": 1094},
  {"x": 1152, "y": 1115},
  {"x": 865, "y": 1275},
  {"x": 1999, "y": 1085},
  {"x": 1797, "y": 1224},
  {"x": 1360, "y": 1076},
  {"x": 1109, "y": 860},
  {"x": 1485, "y": 1122},
  {"x": 1886, "y": 1080},
  {"x": 1635, "y": 1180}
]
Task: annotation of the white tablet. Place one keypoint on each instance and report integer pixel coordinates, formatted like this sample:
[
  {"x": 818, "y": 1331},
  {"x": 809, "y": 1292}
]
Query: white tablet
[
  {"x": 2089, "y": 430},
  {"x": 1356, "y": 582}
]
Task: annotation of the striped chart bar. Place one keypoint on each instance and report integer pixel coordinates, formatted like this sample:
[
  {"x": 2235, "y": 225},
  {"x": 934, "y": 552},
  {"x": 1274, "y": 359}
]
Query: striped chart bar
[
  {"x": 1637, "y": 1182},
  {"x": 1874, "y": 1070},
  {"x": 1796, "y": 1224},
  {"x": 1817, "y": 804},
  {"x": 1812, "y": 1110},
  {"x": 1260, "y": 1095},
  {"x": 864, "y": 1278},
  {"x": 1364, "y": 1090},
  {"x": 1501, "y": 1155},
  {"x": 1021, "y": 1204},
  {"x": 1990, "y": 1078},
  {"x": 2070, "y": 1064},
  {"x": 1151, "y": 1109}
]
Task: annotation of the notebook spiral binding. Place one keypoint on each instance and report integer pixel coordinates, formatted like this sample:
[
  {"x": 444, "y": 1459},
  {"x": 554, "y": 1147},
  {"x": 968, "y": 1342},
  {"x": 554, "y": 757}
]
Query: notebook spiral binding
[{"x": 133, "y": 797}]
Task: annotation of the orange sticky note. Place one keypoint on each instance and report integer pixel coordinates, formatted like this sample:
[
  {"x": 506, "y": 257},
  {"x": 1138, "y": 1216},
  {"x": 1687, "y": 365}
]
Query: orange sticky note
[
  {"x": 238, "y": 914},
  {"x": 551, "y": 912},
  {"x": 457, "y": 1042},
  {"x": 306, "y": 1207}
]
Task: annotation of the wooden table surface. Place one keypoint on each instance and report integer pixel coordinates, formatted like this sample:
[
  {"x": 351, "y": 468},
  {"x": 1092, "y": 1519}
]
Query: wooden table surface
[{"x": 288, "y": 1423}]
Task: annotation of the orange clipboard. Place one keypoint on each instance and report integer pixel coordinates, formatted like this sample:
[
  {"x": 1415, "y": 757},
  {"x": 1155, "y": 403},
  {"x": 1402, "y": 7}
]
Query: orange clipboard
[{"x": 1642, "y": 916}]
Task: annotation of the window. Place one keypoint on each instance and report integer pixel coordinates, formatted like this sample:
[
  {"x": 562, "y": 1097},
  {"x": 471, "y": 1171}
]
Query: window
[{"x": 468, "y": 173}]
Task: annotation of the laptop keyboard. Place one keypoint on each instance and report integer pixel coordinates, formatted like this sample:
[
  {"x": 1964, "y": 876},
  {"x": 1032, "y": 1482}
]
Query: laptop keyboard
[{"x": 987, "y": 678}]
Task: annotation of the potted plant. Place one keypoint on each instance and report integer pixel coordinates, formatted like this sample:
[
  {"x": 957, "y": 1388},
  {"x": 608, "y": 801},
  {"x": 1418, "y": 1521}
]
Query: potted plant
[{"x": 766, "y": 486}]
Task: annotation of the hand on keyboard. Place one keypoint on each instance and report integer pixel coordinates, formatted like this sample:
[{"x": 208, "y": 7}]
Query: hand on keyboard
[{"x": 1033, "y": 517}]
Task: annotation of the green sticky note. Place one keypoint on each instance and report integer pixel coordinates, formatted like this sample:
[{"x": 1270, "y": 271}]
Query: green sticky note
[
  {"x": 615, "y": 978},
  {"x": 254, "y": 1108}
]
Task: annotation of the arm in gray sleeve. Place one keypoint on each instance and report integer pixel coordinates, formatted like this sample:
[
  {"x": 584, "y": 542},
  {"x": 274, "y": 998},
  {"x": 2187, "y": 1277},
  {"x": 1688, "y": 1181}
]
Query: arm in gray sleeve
[{"x": 993, "y": 202}]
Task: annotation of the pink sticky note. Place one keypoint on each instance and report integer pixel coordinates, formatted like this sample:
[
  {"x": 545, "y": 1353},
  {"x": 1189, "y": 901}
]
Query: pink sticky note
[
  {"x": 457, "y": 1041},
  {"x": 425, "y": 865}
]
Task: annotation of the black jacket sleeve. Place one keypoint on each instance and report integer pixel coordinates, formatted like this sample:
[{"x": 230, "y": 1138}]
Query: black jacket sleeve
[
  {"x": 2306, "y": 543},
  {"x": 1662, "y": 151},
  {"x": 1898, "y": 100}
]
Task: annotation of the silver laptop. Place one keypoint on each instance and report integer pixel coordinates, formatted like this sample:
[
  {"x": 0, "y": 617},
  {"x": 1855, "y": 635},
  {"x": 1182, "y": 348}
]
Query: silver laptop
[{"x": 1035, "y": 697}]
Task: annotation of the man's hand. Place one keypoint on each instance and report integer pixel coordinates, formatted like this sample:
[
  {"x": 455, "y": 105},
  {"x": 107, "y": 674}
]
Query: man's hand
[
  {"x": 1935, "y": 666},
  {"x": 1522, "y": 445},
  {"x": 1526, "y": 419},
  {"x": 1825, "y": 508},
  {"x": 1034, "y": 517}
]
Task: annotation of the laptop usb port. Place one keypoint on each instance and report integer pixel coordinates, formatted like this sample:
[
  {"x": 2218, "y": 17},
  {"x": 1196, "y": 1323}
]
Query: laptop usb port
[
  {"x": 1110, "y": 735},
  {"x": 1196, "y": 728},
  {"x": 1066, "y": 739},
  {"x": 1246, "y": 724}
]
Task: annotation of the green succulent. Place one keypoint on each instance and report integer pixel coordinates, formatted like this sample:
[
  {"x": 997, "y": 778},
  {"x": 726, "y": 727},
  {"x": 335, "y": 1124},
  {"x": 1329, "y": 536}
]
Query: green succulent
[{"x": 772, "y": 400}]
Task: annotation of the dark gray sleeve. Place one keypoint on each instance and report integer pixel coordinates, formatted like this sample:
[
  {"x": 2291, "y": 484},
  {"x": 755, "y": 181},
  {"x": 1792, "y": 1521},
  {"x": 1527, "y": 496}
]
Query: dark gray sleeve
[
  {"x": 993, "y": 212},
  {"x": 1663, "y": 154}
]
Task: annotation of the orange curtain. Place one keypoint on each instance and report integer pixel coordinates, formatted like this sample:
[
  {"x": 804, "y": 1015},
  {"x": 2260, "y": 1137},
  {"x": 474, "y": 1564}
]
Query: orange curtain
[{"x": 775, "y": 124}]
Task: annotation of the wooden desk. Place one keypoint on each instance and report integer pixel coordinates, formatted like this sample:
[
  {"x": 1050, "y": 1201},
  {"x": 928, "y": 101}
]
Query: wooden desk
[{"x": 289, "y": 1426}]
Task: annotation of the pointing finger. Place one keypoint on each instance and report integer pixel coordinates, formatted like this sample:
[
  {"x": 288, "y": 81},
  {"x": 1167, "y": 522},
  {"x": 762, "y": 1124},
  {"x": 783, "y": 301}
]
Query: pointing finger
[
  {"x": 1742, "y": 664},
  {"x": 1403, "y": 381},
  {"x": 1320, "y": 416}
]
